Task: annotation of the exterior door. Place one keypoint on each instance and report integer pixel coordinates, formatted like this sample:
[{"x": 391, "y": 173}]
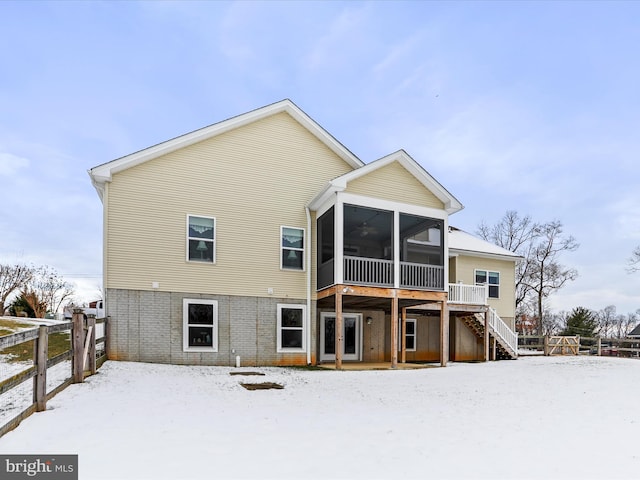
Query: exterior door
[{"x": 352, "y": 334}]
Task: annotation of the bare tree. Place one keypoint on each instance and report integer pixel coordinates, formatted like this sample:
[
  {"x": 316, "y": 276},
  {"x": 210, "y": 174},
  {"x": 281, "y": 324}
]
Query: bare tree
[
  {"x": 607, "y": 320},
  {"x": 634, "y": 261},
  {"x": 46, "y": 291},
  {"x": 553, "y": 323},
  {"x": 12, "y": 278},
  {"x": 516, "y": 234},
  {"x": 625, "y": 324},
  {"x": 547, "y": 274}
]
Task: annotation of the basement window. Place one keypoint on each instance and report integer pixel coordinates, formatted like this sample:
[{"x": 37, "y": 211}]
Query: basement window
[
  {"x": 292, "y": 328},
  {"x": 200, "y": 325}
]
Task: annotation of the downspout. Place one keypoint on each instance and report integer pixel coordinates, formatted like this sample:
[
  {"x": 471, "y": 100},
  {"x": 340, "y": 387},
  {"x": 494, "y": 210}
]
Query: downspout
[{"x": 308, "y": 213}]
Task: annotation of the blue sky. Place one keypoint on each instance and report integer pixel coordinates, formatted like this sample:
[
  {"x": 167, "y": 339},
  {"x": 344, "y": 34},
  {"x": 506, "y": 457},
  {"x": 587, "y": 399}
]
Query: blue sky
[{"x": 527, "y": 106}]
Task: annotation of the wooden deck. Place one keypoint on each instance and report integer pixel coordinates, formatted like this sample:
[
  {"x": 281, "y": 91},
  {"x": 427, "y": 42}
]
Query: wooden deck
[{"x": 377, "y": 366}]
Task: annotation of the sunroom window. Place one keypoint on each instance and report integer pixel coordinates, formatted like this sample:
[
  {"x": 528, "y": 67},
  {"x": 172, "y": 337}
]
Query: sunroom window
[
  {"x": 201, "y": 239},
  {"x": 326, "y": 248}
]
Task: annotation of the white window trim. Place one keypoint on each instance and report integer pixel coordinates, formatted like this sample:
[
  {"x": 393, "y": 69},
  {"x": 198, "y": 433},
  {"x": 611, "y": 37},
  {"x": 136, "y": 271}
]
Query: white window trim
[
  {"x": 215, "y": 237},
  {"x": 487, "y": 272},
  {"x": 414, "y": 334},
  {"x": 279, "y": 348},
  {"x": 185, "y": 325},
  {"x": 301, "y": 250}
]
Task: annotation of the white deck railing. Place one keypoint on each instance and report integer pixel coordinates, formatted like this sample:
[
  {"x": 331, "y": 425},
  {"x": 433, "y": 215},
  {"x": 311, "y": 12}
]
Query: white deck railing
[
  {"x": 419, "y": 275},
  {"x": 373, "y": 271},
  {"x": 503, "y": 331},
  {"x": 468, "y": 294},
  {"x": 368, "y": 271}
]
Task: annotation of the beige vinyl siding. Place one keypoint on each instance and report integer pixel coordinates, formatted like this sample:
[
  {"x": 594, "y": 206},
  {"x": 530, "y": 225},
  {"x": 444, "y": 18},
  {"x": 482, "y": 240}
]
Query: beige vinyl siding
[
  {"x": 453, "y": 275},
  {"x": 252, "y": 180},
  {"x": 393, "y": 182},
  {"x": 465, "y": 267}
]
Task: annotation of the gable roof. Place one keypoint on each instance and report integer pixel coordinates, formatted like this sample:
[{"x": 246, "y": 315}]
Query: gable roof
[
  {"x": 635, "y": 332},
  {"x": 103, "y": 173},
  {"x": 451, "y": 203},
  {"x": 461, "y": 242}
]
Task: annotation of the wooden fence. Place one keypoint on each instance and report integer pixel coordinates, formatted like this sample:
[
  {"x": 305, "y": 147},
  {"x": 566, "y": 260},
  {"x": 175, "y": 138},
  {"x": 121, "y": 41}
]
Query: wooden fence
[
  {"x": 84, "y": 356},
  {"x": 577, "y": 345}
]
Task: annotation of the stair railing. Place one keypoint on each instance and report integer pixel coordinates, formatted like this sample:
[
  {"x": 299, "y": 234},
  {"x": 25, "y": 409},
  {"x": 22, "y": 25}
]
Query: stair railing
[{"x": 502, "y": 330}]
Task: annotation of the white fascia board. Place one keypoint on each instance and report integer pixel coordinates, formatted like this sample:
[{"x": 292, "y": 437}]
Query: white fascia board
[
  {"x": 324, "y": 200},
  {"x": 103, "y": 173},
  {"x": 333, "y": 187},
  {"x": 495, "y": 256},
  {"x": 324, "y": 136},
  {"x": 98, "y": 183},
  {"x": 451, "y": 203}
]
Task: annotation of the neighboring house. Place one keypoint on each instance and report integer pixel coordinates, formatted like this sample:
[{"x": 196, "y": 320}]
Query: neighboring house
[
  {"x": 264, "y": 237},
  {"x": 635, "y": 333}
]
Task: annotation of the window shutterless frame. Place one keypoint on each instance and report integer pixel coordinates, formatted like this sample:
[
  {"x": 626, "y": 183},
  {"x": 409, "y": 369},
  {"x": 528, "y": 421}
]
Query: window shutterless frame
[
  {"x": 490, "y": 278},
  {"x": 291, "y": 328},
  {"x": 411, "y": 335},
  {"x": 292, "y": 247},
  {"x": 201, "y": 239},
  {"x": 199, "y": 325}
]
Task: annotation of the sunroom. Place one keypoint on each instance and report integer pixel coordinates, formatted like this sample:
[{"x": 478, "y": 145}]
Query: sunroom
[
  {"x": 381, "y": 249},
  {"x": 362, "y": 245}
]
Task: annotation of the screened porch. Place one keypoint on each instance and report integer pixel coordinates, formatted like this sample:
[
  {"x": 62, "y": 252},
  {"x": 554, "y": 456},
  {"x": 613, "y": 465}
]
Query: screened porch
[{"x": 380, "y": 248}]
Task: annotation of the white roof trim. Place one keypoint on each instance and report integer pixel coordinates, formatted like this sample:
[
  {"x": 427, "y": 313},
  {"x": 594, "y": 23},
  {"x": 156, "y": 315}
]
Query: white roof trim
[
  {"x": 451, "y": 203},
  {"x": 103, "y": 173}
]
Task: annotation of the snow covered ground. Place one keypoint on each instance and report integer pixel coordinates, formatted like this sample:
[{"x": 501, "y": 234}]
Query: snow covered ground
[{"x": 537, "y": 417}]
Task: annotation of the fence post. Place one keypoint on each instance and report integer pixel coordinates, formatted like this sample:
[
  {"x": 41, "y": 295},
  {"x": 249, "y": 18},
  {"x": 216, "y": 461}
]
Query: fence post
[
  {"x": 599, "y": 347},
  {"x": 77, "y": 345},
  {"x": 41, "y": 354},
  {"x": 107, "y": 336},
  {"x": 91, "y": 325},
  {"x": 546, "y": 345}
]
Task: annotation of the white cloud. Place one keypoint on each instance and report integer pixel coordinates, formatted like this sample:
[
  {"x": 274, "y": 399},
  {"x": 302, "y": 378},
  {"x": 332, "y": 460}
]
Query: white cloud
[
  {"x": 399, "y": 53},
  {"x": 626, "y": 212},
  {"x": 343, "y": 36},
  {"x": 10, "y": 164}
]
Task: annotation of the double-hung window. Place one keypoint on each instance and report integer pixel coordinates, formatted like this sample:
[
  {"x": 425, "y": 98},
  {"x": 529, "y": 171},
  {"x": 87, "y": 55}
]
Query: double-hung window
[
  {"x": 200, "y": 325},
  {"x": 292, "y": 328},
  {"x": 292, "y": 248},
  {"x": 485, "y": 277},
  {"x": 201, "y": 239}
]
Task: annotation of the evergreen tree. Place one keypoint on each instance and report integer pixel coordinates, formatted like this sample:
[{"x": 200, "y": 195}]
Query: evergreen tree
[{"x": 581, "y": 321}]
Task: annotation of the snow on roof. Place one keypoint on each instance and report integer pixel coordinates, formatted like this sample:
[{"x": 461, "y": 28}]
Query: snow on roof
[
  {"x": 463, "y": 242},
  {"x": 635, "y": 332}
]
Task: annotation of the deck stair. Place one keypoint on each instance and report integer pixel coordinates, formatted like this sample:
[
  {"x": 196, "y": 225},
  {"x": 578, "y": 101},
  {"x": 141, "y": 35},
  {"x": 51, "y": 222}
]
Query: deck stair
[{"x": 506, "y": 339}]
